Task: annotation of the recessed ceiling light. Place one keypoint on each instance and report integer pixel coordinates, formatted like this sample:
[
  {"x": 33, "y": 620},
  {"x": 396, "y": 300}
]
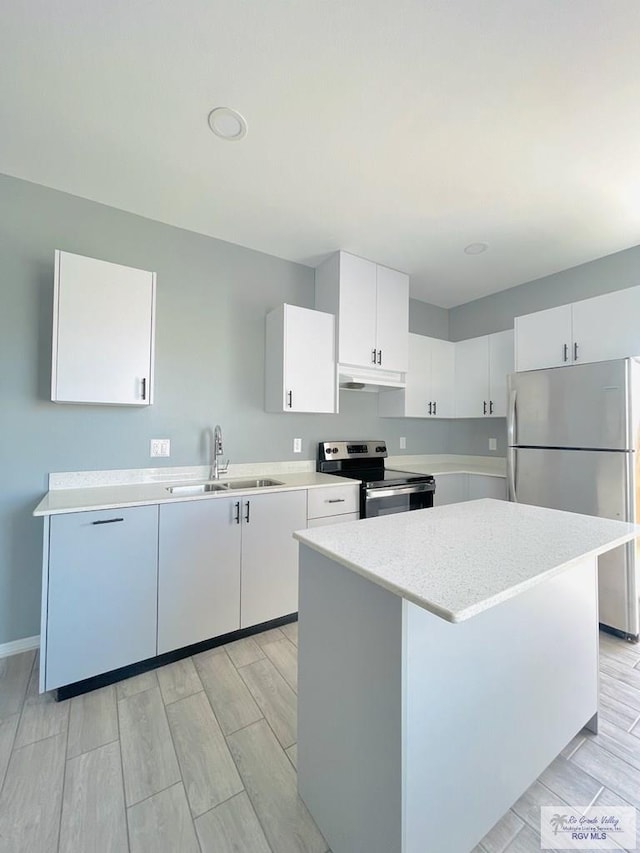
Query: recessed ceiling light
[
  {"x": 227, "y": 124},
  {"x": 476, "y": 248}
]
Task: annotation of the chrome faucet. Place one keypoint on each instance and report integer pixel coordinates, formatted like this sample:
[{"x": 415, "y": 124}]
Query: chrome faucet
[{"x": 216, "y": 451}]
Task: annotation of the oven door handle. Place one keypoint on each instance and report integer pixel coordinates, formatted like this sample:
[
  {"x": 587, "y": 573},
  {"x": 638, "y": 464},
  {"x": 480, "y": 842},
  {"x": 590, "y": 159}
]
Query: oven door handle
[{"x": 373, "y": 494}]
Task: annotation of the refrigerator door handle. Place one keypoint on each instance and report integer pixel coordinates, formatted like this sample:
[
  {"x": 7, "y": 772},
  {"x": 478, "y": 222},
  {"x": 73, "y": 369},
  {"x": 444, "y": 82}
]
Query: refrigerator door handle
[
  {"x": 511, "y": 418},
  {"x": 511, "y": 480}
]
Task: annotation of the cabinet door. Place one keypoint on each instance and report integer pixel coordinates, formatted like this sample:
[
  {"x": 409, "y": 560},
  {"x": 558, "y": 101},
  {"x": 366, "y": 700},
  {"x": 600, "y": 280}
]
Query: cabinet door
[
  {"x": 102, "y": 592},
  {"x": 198, "y": 571},
  {"x": 392, "y": 324},
  {"x": 543, "y": 339},
  {"x": 443, "y": 378},
  {"x": 357, "y": 312},
  {"x": 269, "y": 574},
  {"x": 417, "y": 394},
  {"x": 472, "y": 378},
  {"x": 482, "y": 486},
  {"x": 102, "y": 332},
  {"x": 606, "y": 327},
  {"x": 500, "y": 366},
  {"x": 451, "y": 489},
  {"x": 309, "y": 361}
]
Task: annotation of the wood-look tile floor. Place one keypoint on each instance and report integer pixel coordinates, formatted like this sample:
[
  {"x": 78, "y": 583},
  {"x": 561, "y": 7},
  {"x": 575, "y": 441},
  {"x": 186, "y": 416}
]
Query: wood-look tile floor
[{"x": 200, "y": 756}]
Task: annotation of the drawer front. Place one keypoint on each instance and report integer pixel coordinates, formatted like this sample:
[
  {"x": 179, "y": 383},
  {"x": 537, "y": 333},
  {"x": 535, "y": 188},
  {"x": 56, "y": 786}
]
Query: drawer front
[
  {"x": 333, "y": 519},
  {"x": 335, "y": 500}
]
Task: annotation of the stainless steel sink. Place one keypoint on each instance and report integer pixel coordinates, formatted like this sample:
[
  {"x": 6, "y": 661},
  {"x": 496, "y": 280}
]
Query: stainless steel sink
[
  {"x": 252, "y": 484},
  {"x": 197, "y": 488}
]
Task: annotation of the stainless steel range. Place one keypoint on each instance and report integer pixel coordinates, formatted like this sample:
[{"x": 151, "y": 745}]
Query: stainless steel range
[{"x": 382, "y": 490}]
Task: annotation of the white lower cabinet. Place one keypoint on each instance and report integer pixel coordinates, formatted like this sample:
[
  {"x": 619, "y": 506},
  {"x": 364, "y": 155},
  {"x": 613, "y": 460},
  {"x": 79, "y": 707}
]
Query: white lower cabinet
[
  {"x": 101, "y": 592},
  {"x": 269, "y": 565},
  {"x": 454, "y": 488},
  {"x": 198, "y": 571}
]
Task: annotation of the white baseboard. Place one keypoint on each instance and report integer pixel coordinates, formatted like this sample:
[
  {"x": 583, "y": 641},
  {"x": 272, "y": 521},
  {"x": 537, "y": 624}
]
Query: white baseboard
[{"x": 16, "y": 646}]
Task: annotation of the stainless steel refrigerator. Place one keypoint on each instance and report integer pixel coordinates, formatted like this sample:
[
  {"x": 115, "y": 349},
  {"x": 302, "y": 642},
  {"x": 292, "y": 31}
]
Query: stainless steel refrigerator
[{"x": 574, "y": 436}]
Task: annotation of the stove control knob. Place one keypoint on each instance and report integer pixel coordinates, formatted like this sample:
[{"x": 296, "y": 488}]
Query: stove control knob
[
  {"x": 380, "y": 449},
  {"x": 334, "y": 450}
]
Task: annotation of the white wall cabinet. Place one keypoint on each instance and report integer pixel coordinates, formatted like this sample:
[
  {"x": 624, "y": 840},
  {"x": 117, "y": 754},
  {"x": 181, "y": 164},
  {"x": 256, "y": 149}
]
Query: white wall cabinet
[
  {"x": 269, "y": 565},
  {"x": 300, "y": 367},
  {"x": 103, "y": 332},
  {"x": 597, "y": 329},
  {"x": 101, "y": 587},
  {"x": 371, "y": 305},
  {"x": 455, "y": 488},
  {"x": 482, "y": 366},
  {"x": 198, "y": 571},
  {"x": 429, "y": 390}
]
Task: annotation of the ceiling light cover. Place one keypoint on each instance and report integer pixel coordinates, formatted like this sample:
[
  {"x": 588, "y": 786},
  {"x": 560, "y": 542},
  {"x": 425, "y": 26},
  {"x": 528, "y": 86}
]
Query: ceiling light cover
[
  {"x": 476, "y": 248},
  {"x": 227, "y": 124}
]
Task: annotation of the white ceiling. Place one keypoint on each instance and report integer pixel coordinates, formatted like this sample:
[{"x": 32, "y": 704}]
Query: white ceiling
[{"x": 401, "y": 131}]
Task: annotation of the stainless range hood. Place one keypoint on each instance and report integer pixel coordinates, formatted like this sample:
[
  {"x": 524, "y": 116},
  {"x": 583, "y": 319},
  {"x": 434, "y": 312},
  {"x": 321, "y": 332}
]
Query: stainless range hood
[{"x": 365, "y": 379}]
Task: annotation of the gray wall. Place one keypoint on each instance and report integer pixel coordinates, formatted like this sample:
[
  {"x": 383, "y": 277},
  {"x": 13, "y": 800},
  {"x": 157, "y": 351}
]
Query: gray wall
[
  {"x": 211, "y": 301},
  {"x": 496, "y": 312}
]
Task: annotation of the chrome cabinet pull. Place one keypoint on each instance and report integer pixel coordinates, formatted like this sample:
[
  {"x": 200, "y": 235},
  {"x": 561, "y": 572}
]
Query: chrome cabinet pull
[
  {"x": 247, "y": 516},
  {"x": 335, "y": 500},
  {"x": 237, "y": 515},
  {"x": 107, "y": 521},
  {"x": 290, "y": 399}
]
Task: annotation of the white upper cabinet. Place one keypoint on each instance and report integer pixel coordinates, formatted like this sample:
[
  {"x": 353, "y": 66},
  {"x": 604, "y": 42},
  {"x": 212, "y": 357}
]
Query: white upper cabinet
[
  {"x": 543, "y": 339},
  {"x": 103, "y": 332},
  {"x": 300, "y": 368},
  {"x": 429, "y": 390},
  {"x": 371, "y": 304},
  {"x": 482, "y": 366},
  {"x": 597, "y": 329}
]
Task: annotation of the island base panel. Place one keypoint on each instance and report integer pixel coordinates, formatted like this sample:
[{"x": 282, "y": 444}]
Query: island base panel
[{"x": 417, "y": 734}]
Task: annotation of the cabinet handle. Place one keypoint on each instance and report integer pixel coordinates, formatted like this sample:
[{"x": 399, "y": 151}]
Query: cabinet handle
[
  {"x": 335, "y": 500},
  {"x": 379, "y": 356},
  {"x": 435, "y": 406},
  {"x": 290, "y": 399},
  {"x": 107, "y": 521},
  {"x": 374, "y": 353},
  {"x": 144, "y": 388},
  {"x": 430, "y": 407},
  {"x": 247, "y": 516},
  {"x": 575, "y": 352},
  {"x": 484, "y": 407},
  {"x": 237, "y": 515},
  {"x": 490, "y": 407},
  {"x": 565, "y": 351}
]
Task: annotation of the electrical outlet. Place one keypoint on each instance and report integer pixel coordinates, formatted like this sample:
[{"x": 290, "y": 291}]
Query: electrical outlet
[
  {"x": 297, "y": 445},
  {"x": 403, "y": 442},
  {"x": 160, "y": 447},
  {"x": 493, "y": 444}
]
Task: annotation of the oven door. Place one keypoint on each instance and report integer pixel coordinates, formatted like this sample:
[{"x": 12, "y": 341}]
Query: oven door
[{"x": 385, "y": 501}]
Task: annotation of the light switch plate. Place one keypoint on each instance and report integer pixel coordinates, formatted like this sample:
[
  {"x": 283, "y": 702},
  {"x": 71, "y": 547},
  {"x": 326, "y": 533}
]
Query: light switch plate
[
  {"x": 160, "y": 447},
  {"x": 493, "y": 444},
  {"x": 297, "y": 445}
]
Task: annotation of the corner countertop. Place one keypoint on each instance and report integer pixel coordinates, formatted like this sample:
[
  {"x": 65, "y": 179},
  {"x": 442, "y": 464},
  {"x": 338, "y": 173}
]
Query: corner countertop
[
  {"x": 459, "y": 560},
  {"x": 487, "y": 466}
]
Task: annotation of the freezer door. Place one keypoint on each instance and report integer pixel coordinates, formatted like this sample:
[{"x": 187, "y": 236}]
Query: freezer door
[
  {"x": 585, "y": 406},
  {"x": 592, "y": 483}
]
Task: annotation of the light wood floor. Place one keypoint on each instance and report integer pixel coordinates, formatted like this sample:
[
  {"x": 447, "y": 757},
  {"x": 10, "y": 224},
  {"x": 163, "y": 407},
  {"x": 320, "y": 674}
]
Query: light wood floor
[{"x": 200, "y": 756}]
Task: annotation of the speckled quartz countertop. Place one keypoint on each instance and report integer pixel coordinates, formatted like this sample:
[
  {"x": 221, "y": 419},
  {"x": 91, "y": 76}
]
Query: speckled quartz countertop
[
  {"x": 457, "y": 561},
  {"x": 487, "y": 466}
]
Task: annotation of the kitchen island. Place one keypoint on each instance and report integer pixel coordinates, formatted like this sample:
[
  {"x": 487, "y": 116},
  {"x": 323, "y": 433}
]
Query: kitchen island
[{"x": 446, "y": 656}]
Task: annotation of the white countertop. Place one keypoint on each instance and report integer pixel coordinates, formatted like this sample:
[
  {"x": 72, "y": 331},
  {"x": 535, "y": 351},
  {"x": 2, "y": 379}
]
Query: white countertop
[
  {"x": 488, "y": 466},
  {"x": 459, "y": 560},
  {"x": 58, "y": 501}
]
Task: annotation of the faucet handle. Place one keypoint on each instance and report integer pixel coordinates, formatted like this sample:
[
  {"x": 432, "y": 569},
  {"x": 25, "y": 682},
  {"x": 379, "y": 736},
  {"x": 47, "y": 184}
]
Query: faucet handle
[{"x": 222, "y": 469}]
